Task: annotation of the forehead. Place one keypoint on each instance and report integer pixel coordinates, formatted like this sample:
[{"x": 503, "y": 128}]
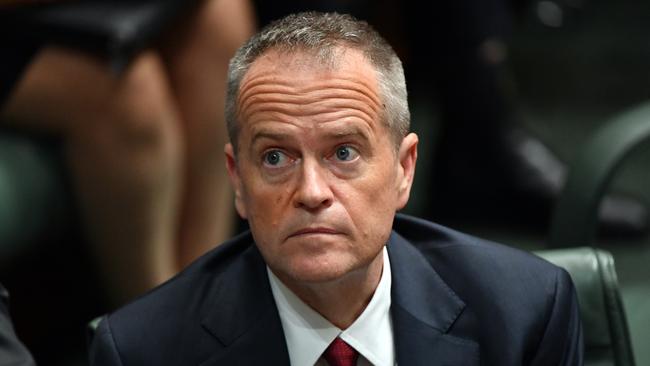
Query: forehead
[{"x": 301, "y": 89}]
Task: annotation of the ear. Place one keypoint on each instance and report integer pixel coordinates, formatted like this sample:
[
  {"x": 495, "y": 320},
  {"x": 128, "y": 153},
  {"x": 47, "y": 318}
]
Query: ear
[
  {"x": 235, "y": 180},
  {"x": 407, "y": 155}
]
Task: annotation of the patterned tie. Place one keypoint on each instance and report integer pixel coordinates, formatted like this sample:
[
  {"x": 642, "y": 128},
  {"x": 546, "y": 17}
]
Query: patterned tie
[{"x": 339, "y": 353}]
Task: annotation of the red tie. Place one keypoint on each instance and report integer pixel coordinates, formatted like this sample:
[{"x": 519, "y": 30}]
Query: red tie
[{"x": 340, "y": 353}]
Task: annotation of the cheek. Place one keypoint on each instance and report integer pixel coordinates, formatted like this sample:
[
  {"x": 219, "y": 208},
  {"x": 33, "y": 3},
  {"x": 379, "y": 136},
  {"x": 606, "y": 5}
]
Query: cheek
[
  {"x": 370, "y": 202},
  {"x": 379, "y": 188},
  {"x": 267, "y": 204}
]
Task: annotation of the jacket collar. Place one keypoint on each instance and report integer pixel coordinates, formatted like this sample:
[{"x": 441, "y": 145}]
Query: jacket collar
[
  {"x": 424, "y": 309},
  {"x": 241, "y": 313}
]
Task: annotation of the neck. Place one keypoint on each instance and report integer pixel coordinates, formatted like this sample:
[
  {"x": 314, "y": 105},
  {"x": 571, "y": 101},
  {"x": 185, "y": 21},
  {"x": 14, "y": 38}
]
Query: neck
[{"x": 342, "y": 300}]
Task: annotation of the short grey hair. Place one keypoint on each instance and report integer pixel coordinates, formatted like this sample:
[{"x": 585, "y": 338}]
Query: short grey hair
[{"x": 322, "y": 34}]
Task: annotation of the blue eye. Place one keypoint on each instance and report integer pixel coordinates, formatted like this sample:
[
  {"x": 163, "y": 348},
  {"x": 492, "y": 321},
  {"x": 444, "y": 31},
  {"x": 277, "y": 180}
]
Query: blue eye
[
  {"x": 346, "y": 153},
  {"x": 275, "y": 158}
]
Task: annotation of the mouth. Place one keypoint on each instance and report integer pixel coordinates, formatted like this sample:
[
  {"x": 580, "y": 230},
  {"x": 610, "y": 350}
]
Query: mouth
[{"x": 315, "y": 231}]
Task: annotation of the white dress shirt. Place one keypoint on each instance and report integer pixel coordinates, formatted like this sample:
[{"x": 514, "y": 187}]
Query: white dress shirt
[{"x": 308, "y": 333}]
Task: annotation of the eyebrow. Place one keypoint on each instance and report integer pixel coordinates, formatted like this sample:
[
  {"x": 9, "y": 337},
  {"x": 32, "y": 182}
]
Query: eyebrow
[
  {"x": 349, "y": 131},
  {"x": 277, "y": 136}
]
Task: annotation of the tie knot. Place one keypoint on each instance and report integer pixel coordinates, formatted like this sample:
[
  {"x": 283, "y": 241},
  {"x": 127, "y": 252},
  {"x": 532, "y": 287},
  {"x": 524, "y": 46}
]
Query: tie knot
[{"x": 339, "y": 353}]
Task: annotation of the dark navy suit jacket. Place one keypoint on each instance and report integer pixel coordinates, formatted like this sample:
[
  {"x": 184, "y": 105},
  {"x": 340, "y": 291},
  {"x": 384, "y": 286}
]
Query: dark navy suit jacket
[{"x": 456, "y": 300}]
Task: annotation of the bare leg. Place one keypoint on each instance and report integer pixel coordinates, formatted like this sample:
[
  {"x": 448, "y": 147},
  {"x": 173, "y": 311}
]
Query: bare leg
[
  {"x": 197, "y": 58},
  {"x": 146, "y": 147},
  {"x": 124, "y": 150}
]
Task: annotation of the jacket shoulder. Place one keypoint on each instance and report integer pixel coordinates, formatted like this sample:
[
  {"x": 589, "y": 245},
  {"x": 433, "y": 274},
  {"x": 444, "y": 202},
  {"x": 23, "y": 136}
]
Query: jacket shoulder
[
  {"x": 520, "y": 308},
  {"x": 165, "y": 323},
  {"x": 453, "y": 253}
]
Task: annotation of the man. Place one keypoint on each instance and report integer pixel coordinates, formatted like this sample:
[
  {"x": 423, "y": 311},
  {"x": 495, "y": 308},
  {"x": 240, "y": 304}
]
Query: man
[{"x": 321, "y": 159}]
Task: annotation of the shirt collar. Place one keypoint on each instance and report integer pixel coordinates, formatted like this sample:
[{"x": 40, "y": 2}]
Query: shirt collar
[{"x": 308, "y": 333}]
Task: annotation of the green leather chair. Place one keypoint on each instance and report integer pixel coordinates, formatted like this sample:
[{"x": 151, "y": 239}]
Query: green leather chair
[
  {"x": 606, "y": 336},
  {"x": 574, "y": 221},
  {"x": 35, "y": 200}
]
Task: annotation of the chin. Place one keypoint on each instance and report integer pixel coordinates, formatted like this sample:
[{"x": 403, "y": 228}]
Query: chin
[{"x": 315, "y": 270}]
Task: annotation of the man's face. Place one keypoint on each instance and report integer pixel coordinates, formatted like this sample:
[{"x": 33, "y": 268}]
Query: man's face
[{"x": 317, "y": 173}]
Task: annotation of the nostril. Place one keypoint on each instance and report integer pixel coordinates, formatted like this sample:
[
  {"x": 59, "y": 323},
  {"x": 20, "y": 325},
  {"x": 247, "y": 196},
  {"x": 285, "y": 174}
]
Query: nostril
[{"x": 313, "y": 198}]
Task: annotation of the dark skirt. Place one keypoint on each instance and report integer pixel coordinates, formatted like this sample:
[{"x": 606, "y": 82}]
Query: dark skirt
[{"x": 113, "y": 30}]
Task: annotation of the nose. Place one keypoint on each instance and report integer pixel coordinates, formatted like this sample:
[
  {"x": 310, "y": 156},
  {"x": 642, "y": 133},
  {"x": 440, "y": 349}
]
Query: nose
[{"x": 313, "y": 192}]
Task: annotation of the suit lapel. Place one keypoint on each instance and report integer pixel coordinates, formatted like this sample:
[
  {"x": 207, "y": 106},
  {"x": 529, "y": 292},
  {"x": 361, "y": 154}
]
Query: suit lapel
[
  {"x": 423, "y": 310},
  {"x": 242, "y": 315}
]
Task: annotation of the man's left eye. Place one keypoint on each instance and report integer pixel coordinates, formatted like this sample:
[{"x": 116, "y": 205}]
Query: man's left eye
[{"x": 346, "y": 153}]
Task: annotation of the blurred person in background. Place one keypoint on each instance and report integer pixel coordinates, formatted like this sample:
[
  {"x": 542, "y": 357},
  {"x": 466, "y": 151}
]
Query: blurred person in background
[{"x": 143, "y": 145}]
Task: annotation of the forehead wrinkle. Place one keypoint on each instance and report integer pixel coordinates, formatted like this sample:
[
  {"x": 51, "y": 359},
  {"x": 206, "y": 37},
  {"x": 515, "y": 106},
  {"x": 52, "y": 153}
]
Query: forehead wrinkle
[
  {"x": 347, "y": 130},
  {"x": 301, "y": 105},
  {"x": 264, "y": 83},
  {"x": 362, "y": 89},
  {"x": 273, "y": 87},
  {"x": 331, "y": 87},
  {"x": 347, "y": 116},
  {"x": 307, "y": 95},
  {"x": 320, "y": 105},
  {"x": 321, "y": 112}
]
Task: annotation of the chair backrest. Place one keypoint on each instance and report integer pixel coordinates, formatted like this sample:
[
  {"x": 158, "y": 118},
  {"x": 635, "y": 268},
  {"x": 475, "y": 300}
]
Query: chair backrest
[
  {"x": 574, "y": 221},
  {"x": 35, "y": 202},
  {"x": 606, "y": 335},
  {"x": 91, "y": 329}
]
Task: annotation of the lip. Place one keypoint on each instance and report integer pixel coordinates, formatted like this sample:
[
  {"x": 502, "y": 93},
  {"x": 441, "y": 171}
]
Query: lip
[{"x": 315, "y": 230}]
